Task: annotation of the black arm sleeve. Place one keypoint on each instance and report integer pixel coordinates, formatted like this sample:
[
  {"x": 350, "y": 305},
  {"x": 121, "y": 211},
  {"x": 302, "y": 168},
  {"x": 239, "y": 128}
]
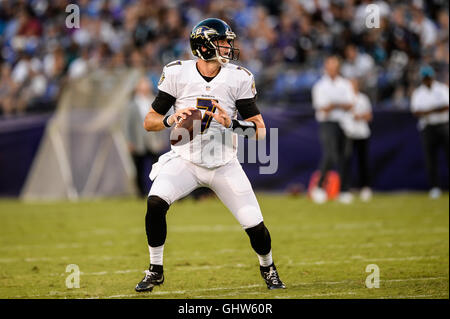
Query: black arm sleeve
[
  {"x": 163, "y": 102},
  {"x": 247, "y": 108}
]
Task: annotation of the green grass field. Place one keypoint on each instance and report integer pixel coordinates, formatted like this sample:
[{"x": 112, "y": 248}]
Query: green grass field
[{"x": 320, "y": 251}]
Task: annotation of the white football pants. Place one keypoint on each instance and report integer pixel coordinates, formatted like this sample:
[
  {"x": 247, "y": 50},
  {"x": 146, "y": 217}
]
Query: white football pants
[{"x": 179, "y": 177}]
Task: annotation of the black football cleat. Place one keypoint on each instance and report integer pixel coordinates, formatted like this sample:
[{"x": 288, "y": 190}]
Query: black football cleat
[
  {"x": 270, "y": 276},
  {"x": 151, "y": 279}
]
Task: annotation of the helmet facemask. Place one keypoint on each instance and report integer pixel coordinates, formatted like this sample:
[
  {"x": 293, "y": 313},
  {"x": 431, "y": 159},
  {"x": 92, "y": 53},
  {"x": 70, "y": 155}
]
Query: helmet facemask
[
  {"x": 213, "y": 44},
  {"x": 233, "y": 53}
]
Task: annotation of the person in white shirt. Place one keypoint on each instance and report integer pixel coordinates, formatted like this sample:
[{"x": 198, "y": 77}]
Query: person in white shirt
[
  {"x": 80, "y": 66},
  {"x": 356, "y": 128},
  {"x": 357, "y": 64},
  {"x": 332, "y": 97},
  {"x": 430, "y": 104},
  {"x": 424, "y": 28},
  {"x": 220, "y": 90}
]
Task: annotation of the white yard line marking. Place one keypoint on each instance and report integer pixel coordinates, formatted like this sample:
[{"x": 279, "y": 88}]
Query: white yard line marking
[
  {"x": 102, "y": 273},
  {"x": 8, "y": 260},
  {"x": 178, "y": 292},
  {"x": 413, "y": 279},
  {"x": 350, "y": 281},
  {"x": 320, "y": 262},
  {"x": 125, "y": 271},
  {"x": 228, "y": 295},
  {"x": 193, "y": 291}
]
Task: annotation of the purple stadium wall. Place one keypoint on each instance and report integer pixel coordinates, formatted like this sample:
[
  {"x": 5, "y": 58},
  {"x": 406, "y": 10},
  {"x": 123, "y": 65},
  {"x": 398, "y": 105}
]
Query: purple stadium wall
[{"x": 396, "y": 155}]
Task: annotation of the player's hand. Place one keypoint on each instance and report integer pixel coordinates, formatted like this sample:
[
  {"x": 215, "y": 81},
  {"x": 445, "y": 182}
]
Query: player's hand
[
  {"x": 221, "y": 116},
  {"x": 180, "y": 114}
]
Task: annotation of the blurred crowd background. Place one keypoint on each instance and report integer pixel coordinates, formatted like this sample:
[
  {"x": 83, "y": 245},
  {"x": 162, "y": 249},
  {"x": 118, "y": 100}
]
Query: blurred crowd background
[{"x": 282, "y": 42}]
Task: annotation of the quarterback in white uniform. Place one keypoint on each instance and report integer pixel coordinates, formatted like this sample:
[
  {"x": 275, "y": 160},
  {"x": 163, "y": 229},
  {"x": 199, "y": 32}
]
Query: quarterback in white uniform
[{"x": 219, "y": 90}]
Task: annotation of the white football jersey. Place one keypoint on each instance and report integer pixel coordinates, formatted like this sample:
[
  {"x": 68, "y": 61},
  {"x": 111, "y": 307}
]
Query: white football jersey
[{"x": 216, "y": 145}]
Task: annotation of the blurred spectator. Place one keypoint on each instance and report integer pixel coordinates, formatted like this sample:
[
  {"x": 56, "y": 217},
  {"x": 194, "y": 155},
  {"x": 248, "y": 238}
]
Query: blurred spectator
[
  {"x": 145, "y": 147},
  {"x": 333, "y": 97},
  {"x": 430, "y": 104},
  {"x": 424, "y": 27},
  {"x": 28, "y": 24},
  {"x": 442, "y": 36},
  {"x": 80, "y": 66},
  {"x": 441, "y": 54},
  {"x": 23, "y": 68},
  {"x": 7, "y": 90},
  {"x": 274, "y": 37},
  {"x": 356, "y": 64},
  {"x": 29, "y": 82},
  {"x": 360, "y": 66},
  {"x": 356, "y": 127}
]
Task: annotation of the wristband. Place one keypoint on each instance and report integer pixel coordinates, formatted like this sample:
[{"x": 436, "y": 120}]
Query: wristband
[
  {"x": 243, "y": 127},
  {"x": 166, "y": 124}
]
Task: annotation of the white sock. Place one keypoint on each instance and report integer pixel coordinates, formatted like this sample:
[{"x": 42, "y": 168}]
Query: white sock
[
  {"x": 156, "y": 255},
  {"x": 265, "y": 260}
]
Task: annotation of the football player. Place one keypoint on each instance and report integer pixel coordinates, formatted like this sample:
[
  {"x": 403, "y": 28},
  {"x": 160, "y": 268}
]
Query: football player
[{"x": 219, "y": 89}]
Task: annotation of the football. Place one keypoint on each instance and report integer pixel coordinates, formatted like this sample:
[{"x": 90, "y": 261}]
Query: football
[{"x": 183, "y": 126}]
